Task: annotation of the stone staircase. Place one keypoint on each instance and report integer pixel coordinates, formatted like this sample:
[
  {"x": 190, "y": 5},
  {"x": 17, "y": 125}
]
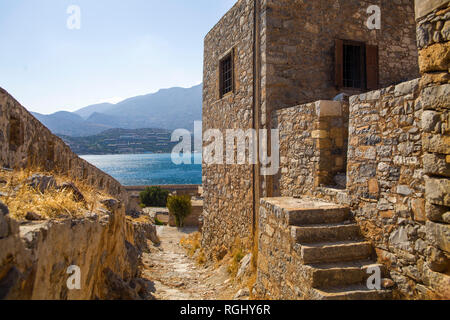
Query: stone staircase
[{"x": 334, "y": 254}]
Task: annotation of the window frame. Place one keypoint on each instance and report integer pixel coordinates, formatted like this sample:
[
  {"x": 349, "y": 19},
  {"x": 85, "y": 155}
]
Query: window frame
[
  {"x": 369, "y": 65},
  {"x": 227, "y": 56},
  {"x": 363, "y": 64}
]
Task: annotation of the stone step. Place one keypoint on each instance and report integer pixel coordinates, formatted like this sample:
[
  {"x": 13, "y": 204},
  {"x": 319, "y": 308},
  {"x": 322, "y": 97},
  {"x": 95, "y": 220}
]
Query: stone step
[
  {"x": 314, "y": 216},
  {"x": 336, "y": 251},
  {"x": 327, "y": 232},
  {"x": 325, "y": 275},
  {"x": 353, "y": 292}
]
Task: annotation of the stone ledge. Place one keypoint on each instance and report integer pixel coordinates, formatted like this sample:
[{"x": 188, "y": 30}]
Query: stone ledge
[
  {"x": 424, "y": 7},
  {"x": 327, "y": 108}
]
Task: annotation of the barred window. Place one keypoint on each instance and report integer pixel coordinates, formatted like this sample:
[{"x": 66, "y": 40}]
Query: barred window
[
  {"x": 226, "y": 75},
  {"x": 356, "y": 65}
]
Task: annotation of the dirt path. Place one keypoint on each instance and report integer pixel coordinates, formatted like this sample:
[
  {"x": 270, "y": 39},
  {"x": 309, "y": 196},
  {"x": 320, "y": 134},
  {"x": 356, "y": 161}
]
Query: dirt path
[{"x": 178, "y": 277}]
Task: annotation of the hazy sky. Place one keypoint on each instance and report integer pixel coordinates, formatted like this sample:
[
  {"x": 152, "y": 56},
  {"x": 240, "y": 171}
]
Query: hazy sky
[{"x": 124, "y": 48}]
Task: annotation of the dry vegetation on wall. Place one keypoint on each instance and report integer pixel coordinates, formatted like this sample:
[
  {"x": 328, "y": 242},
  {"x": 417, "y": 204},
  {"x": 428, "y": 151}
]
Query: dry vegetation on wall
[{"x": 23, "y": 199}]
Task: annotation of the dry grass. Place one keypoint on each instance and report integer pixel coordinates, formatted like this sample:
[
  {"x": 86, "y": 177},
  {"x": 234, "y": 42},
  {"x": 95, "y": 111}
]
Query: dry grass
[
  {"x": 192, "y": 244},
  {"x": 236, "y": 256},
  {"x": 142, "y": 219},
  {"x": 21, "y": 198}
]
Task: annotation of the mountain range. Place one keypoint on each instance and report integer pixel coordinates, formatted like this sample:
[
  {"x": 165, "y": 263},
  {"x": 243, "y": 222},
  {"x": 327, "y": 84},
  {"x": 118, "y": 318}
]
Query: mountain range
[{"x": 166, "y": 109}]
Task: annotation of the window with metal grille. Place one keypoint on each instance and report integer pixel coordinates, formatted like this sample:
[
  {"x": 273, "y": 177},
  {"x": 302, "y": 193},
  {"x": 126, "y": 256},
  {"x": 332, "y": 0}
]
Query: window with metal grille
[
  {"x": 354, "y": 66},
  {"x": 226, "y": 75}
]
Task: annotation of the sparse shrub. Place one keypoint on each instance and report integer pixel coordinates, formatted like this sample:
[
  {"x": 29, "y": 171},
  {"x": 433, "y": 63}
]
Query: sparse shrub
[
  {"x": 153, "y": 197},
  {"x": 180, "y": 207},
  {"x": 237, "y": 256}
]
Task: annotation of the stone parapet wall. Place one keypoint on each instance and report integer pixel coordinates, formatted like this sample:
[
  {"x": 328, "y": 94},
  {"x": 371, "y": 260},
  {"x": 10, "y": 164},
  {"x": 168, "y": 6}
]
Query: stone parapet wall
[
  {"x": 313, "y": 146},
  {"x": 35, "y": 257},
  {"x": 278, "y": 275},
  {"x": 25, "y": 142},
  {"x": 389, "y": 191}
]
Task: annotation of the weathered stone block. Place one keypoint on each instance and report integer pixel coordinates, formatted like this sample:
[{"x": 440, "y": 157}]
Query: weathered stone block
[
  {"x": 446, "y": 30},
  {"x": 423, "y": 8},
  {"x": 430, "y": 121},
  {"x": 446, "y": 217},
  {"x": 434, "y": 212},
  {"x": 418, "y": 208},
  {"x": 406, "y": 88},
  {"x": 325, "y": 108},
  {"x": 436, "y": 164},
  {"x": 437, "y": 260},
  {"x": 369, "y": 153},
  {"x": 437, "y": 191},
  {"x": 437, "y": 143},
  {"x": 435, "y": 58},
  {"x": 436, "y": 97},
  {"x": 399, "y": 239},
  {"x": 438, "y": 234},
  {"x": 404, "y": 190}
]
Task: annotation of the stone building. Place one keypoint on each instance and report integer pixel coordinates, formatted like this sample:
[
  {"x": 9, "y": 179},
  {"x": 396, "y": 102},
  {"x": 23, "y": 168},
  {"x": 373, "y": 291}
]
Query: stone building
[
  {"x": 378, "y": 161},
  {"x": 285, "y": 53}
]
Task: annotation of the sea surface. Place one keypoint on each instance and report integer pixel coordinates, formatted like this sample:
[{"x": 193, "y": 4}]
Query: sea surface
[{"x": 147, "y": 169}]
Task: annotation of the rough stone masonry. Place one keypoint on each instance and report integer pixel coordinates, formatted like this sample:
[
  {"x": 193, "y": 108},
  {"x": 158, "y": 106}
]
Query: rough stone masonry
[{"x": 391, "y": 144}]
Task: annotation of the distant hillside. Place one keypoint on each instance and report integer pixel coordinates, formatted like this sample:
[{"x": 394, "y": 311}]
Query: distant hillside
[
  {"x": 70, "y": 124},
  {"x": 167, "y": 109},
  {"x": 122, "y": 141}
]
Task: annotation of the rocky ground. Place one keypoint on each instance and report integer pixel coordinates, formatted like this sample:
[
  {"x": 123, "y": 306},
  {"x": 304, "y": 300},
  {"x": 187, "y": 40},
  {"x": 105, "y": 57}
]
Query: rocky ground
[{"x": 175, "y": 276}]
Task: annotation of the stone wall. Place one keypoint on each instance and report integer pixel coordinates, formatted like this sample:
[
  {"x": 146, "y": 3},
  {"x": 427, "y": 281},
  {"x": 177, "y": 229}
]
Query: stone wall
[
  {"x": 284, "y": 56},
  {"x": 398, "y": 180},
  {"x": 278, "y": 276},
  {"x": 300, "y": 45},
  {"x": 25, "y": 142},
  {"x": 433, "y": 29},
  {"x": 313, "y": 146},
  {"x": 35, "y": 257},
  {"x": 227, "y": 189},
  {"x": 398, "y": 137},
  {"x": 298, "y": 50},
  {"x": 385, "y": 177}
]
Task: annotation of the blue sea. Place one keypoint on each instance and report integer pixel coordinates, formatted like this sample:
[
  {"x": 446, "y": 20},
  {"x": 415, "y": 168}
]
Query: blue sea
[{"x": 147, "y": 169}]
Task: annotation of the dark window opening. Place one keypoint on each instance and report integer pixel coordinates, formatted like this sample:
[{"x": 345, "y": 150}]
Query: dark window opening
[
  {"x": 226, "y": 75},
  {"x": 354, "y": 66}
]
